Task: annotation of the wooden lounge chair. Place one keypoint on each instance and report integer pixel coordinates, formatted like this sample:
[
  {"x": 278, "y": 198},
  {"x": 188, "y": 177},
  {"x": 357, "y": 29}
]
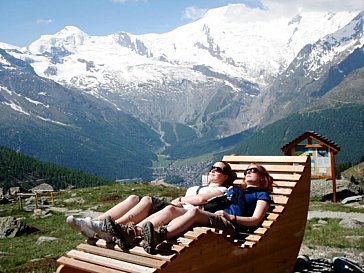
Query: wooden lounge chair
[{"x": 271, "y": 247}]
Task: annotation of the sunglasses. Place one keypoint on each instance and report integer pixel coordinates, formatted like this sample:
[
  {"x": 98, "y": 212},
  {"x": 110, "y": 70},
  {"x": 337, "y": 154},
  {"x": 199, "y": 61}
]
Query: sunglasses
[
  {"x": 251, "y": 170},
  {"x": 217, "y": 169}
]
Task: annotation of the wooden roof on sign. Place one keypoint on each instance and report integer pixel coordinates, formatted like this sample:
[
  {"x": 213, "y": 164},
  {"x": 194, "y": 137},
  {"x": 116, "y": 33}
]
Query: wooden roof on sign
[{"x": 314, "y": 136}]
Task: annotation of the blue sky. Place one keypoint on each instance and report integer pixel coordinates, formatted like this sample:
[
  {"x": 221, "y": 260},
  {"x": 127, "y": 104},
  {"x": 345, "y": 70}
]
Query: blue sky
[{"x": 24, "y": 21}]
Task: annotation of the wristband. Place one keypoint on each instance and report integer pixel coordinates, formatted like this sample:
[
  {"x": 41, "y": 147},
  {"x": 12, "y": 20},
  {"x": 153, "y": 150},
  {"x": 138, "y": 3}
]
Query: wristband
[{"x": 234, "y": 218}]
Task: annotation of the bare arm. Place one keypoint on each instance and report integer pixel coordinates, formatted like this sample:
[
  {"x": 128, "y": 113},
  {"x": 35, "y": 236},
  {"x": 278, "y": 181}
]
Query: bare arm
[
  {"x": 257, "y": 217},
  {"x": 197, "y": 199}
]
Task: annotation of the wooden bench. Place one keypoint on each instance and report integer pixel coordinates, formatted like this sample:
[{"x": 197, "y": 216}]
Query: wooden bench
[{"x": 271, "y": 247}]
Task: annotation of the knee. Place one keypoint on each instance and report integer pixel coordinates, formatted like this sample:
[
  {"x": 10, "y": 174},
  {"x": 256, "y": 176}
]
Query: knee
[
  {"x": 194, "y": 211},
  {"x": 169, "y": 210},
  {"x": 146, "y": 200},
  {"x": 133, "y": 198}
]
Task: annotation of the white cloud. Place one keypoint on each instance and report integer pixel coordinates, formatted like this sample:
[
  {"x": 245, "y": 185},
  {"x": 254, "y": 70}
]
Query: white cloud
[
  {"x": 193, "y": 13},
  {"x": 44, "y": 21},
  {"x": 321, "y": 5}
]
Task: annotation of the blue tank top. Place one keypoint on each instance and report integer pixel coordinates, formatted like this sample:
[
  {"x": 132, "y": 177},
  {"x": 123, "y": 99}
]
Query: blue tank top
[{"x": 243, "y": 202}]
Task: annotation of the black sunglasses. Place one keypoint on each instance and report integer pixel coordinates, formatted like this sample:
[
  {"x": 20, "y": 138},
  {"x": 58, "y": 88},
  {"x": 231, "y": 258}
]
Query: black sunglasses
[
  {"x": 251, "y": 170},
  {"x": 217, "y": 169}
]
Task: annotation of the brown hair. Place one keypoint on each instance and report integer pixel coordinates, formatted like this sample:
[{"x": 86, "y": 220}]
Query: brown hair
[{"x": 229, "y": 172}]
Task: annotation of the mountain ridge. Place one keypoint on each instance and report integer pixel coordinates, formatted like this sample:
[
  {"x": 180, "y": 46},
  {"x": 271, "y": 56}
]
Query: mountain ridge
[
  {"x": 137, "y": 72},
  {"x": 121, "y": 100}
]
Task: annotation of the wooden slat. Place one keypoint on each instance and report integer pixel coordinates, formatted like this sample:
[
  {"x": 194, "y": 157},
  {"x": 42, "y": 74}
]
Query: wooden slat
[
  {"x": 195, "y": 235},
  {"x": 93, "y": 268},
  {"x": 111, "y": 263},
  {"x": 284, "y": 184},
  {"x": 287, "y": 177},
  {"x": 253, "y": 238},
  {"x": 185, "y": 241},
  {"x": 267, "y": 223},
  {"x": 278, "y": 209},
  {"x": 137, "y": 250},
  {"x": 249, "y": 244},
  {"x": 276, "y": 176},
  {"x": 283, "y": 191},
  {"x": 263, "y": 159},
  {"x": 260, "y": 231},
  {"x": 272, "y": 216},
  {"x": 163, "y": 256},
  {"x": 276, "y": 183},
  {"x": 204, "y": 229},
  {"x": 279, "y": 199},
  {"x": 170, "y": 247},
  {"x": 270, "y": 168},
  {"x": 122, "y": 256}
]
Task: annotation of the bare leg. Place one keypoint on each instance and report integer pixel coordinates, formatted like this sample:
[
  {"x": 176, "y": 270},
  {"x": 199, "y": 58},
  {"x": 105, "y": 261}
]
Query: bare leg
[
  {"x": 182, "y": 223},
  {"x": 163, "y": 216},
  {"x": 120, "y": 209},
  {"x": 138, "y": 213}
]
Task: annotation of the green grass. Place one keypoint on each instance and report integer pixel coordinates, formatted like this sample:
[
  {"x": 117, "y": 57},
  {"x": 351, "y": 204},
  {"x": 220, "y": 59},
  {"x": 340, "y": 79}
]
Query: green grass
[
  {"x": 20, "y": 250},
  {"x": 23, "y": 254},
  {"x": 315, "y": 204},
  {"x": 333, "y": 235}
]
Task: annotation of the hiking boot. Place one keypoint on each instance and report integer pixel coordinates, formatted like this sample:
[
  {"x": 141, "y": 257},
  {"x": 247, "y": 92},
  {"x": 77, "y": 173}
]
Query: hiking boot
[
  {"x": 79, "y": 224},
  {"x": 125, "y": 234},
  {"x": 152, "y": 238},
  {"x": 99, "y": 227}
]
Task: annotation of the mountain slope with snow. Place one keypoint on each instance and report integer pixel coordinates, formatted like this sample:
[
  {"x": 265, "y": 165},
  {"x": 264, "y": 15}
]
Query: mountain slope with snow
[
  {"x": 235, "y": 69},
  {"x": 234, "y": 51},
  {"x": 226, "y": 39}
]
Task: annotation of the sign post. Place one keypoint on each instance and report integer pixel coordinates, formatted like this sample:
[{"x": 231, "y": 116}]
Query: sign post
[{"x": 322, "y": 153}]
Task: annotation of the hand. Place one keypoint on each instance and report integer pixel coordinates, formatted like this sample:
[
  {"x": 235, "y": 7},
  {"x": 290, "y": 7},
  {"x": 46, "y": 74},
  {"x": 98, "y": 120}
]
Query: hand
[
  {"x": 176, "y": 202},
  {"x": 224, "y": 214},
  {"x": 221, "y": 213}
]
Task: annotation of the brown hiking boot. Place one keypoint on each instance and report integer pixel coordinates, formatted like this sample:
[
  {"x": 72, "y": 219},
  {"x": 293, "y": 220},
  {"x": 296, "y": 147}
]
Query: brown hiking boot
[
  {"x": 125, "y": 234},
  {"x": 152, "y": 238}
]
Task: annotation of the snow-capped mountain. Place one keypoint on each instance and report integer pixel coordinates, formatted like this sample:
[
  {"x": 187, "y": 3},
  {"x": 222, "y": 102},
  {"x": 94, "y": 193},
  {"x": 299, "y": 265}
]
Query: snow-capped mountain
[
  {"x": 233, "y": 53},
  {"x": 234, "y": 69},
  {"x": 318, "y": 68},
  {"x": 41, "y": 118}
]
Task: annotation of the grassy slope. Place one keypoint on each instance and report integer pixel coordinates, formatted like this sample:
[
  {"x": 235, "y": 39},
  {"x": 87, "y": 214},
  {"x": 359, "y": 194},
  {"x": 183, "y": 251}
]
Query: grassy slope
[{"x": 17, "y": 252}]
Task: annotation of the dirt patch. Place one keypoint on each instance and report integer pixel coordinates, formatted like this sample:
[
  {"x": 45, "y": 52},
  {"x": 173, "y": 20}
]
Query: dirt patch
[
  {"x": 40, "y": 266},
  {"x": 110, "y": 198}
]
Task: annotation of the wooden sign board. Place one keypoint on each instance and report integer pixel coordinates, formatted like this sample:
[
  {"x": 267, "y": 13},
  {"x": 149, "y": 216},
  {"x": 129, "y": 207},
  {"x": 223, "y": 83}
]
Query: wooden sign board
[{"x": 320, "y": 159}]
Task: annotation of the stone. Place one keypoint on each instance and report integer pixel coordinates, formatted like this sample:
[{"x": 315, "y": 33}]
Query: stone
[
  {"x": 58, "y": 209},
  {"x": 351, "y": 223},
  {"x": 74, "y": 200},
  {"x": 352, "y": 199},
  {"x": 11, "y": 227},
  {"x": 44, "y": 187},
  {"x": 43, "y": 239}
]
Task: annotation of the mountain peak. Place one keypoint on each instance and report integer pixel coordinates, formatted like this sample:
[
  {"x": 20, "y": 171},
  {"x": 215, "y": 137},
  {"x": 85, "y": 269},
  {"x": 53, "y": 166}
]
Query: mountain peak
[
  {"x": 71, "y": 30},
  {"x": 68, "y": 38}
]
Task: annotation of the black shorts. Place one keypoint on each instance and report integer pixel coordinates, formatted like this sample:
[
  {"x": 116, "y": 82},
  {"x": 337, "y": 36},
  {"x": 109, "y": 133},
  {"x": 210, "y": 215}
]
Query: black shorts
[
  {"x": 221, "y": 223},
  {"x": 157, "y": 205}
]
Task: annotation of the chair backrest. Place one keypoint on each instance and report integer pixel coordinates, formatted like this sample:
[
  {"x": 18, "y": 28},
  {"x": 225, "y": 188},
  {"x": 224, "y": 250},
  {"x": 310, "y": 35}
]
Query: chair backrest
[{"x": 286, "y": 171}]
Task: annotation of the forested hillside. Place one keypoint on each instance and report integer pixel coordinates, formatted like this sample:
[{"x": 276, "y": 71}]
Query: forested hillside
[
  {"x": 343, "y": 125},
  {"x": 20, "y": 170}
]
